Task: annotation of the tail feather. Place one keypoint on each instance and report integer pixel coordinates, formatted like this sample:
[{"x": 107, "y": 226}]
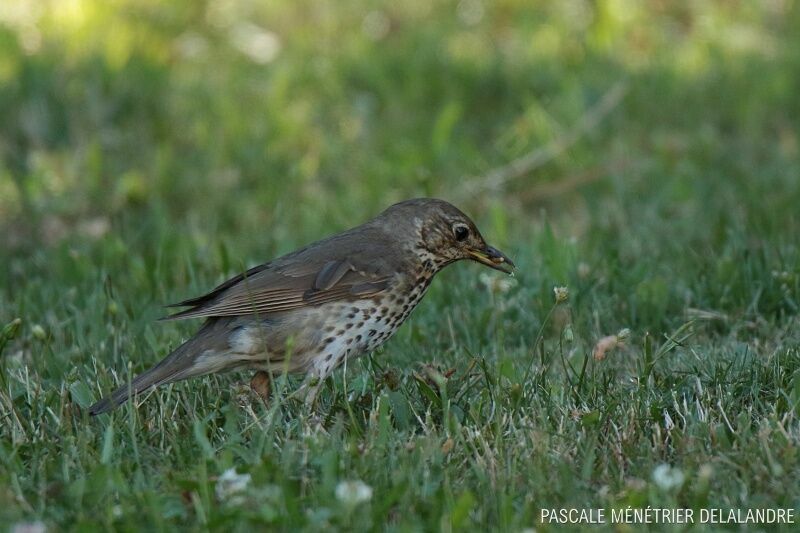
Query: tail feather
[{"x": 182, "y": 363}]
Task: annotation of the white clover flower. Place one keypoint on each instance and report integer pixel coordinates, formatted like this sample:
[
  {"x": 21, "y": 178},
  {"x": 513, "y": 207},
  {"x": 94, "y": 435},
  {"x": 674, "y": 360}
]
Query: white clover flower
[
  {"x": 351, "y": 493},
  {"x": 230, "y": 483},
  {"x": 667, "y": 477},
  {"x": 561, "y": 294}
]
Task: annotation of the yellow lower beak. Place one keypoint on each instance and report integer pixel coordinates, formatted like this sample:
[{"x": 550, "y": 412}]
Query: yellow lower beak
[{"x": 493, "y": 258}]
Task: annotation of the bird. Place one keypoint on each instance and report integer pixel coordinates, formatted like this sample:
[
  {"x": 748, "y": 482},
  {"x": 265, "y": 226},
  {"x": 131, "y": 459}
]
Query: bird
[{"x": 310, "y": 310}]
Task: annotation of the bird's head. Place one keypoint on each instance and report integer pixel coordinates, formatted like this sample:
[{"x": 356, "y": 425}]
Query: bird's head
[{"x": 446, "y": 233}]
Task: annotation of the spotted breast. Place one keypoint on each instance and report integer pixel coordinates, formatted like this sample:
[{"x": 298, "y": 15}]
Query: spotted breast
[{"x": 358, "y": 328}]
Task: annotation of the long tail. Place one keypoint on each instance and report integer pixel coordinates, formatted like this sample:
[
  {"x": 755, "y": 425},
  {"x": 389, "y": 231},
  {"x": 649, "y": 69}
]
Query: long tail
[{"x": 197, "y": 356}]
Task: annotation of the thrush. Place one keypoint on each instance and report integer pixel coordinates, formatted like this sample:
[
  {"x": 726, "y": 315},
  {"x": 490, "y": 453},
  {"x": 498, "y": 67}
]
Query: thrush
[{"x": 310, "y": 310}]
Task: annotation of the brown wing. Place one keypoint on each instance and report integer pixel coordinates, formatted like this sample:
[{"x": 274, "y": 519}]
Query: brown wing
[{"x": 298, "y": 280}]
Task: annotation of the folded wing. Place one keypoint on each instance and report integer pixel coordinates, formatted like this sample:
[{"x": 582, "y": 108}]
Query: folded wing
[{"x": 290, "y": 283}]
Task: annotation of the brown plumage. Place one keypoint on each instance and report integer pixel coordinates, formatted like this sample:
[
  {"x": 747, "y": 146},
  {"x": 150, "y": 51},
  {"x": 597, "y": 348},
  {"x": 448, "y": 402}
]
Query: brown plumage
[{"x": 308, "y": 311}]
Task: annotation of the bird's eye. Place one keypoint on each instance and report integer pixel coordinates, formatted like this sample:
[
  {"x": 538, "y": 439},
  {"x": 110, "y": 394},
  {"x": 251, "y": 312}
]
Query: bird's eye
[{"x": 461, "y": 232}]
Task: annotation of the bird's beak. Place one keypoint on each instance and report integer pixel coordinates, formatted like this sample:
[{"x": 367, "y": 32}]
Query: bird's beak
[{"x": 494, "y": 258}]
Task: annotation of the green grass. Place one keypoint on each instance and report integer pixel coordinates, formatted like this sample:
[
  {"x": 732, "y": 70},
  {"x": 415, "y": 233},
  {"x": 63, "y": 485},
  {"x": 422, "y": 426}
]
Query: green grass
[{"x": 145, "y": 158}]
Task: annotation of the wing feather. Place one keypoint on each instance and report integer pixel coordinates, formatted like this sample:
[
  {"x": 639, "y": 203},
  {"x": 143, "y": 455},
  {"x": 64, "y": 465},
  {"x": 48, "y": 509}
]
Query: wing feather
[
  {"x": 275, "y": 288},
  {"x": 330, "y": 274}
]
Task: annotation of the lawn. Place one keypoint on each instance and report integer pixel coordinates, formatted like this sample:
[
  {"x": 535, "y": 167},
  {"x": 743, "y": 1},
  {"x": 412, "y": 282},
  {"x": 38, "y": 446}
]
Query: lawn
[{"x": 645, "y": 156}]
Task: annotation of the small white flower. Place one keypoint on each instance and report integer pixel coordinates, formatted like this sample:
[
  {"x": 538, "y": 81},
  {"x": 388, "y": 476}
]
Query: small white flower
[
  {"x": 667, "y": 477},
  {"x": 352, "y": 493},
  {"x": 230, "y": 483},
  {"x": 561, "y": 294}
]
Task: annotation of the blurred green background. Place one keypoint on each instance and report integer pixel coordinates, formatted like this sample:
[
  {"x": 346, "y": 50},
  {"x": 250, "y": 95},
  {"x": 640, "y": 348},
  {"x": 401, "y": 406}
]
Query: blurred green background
[
  {"x": 246, "y": 119},
  {"x": 230, "y": 131},
  {"x": 643, "y": 153},
  {"x": 254, "y": 123}
]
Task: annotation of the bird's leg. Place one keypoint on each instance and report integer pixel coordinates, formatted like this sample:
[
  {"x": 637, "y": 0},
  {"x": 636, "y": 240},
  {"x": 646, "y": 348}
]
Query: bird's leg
[
  {"x": 261, "y": 384},
  {"x": 310, "y": 389},
  {"x": 308, "y": 392}
]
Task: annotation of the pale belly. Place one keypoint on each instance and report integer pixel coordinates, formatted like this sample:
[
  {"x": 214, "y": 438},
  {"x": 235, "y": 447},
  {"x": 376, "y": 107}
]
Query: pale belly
[{"x": 317, "y": 340}]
